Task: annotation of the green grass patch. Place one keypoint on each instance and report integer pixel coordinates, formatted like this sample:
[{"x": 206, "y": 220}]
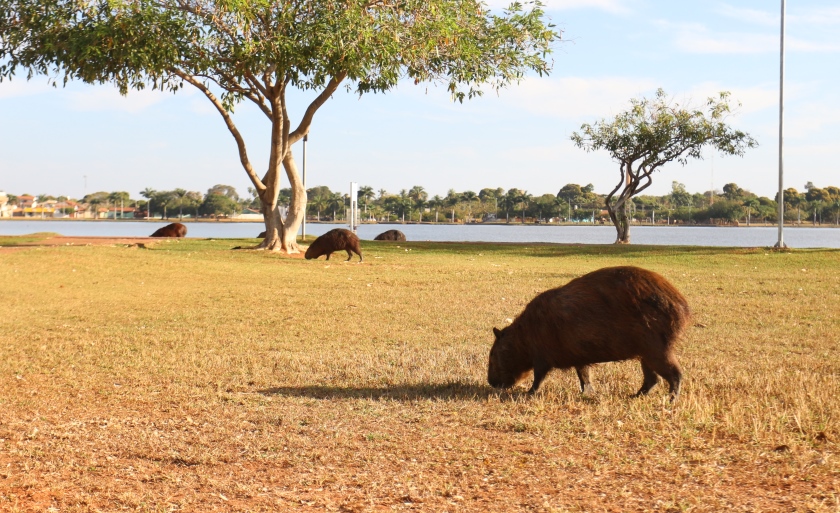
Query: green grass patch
[{"x": 171, "y": 376}]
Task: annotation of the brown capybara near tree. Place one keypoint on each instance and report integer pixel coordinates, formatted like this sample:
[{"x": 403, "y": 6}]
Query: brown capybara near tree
[
  {"x": 608, "y": 315},
  {"x": 171, "y": 230},
  {"x": 335, "y": 240},
  {"x": 392, "y": 235},
  {"x": 261, "y": 235}
]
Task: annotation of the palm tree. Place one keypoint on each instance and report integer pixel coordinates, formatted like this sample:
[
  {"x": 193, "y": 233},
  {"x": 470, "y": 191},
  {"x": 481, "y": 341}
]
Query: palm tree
[
  {"x": 180, "y": 194},
  {"x": 509, "y": 201},
  {"x": 751, "y": 204},
  {"x": 469, "y": 197},
  {"x": 366, "y": 194},
  {"x": 418, "y": 195},
  {"x": 147, "y": 193},
  {"x": 336, "y": 203},
  {"x": 523, "y": 199},
  {"x": 436, "y": 202}
]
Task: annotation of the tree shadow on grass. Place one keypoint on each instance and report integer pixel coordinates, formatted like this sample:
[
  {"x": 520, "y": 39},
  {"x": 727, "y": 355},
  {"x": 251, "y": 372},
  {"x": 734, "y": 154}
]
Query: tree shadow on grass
[{"x": 408, "y": 392}]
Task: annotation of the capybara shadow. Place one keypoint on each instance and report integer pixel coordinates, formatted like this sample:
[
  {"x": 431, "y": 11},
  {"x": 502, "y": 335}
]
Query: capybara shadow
[
  {"x": 608, "y": 315},
  {"x": 171, "y": 230},
  {"x": 338, "y": 239},
  {"x": 391, "y": 235}
]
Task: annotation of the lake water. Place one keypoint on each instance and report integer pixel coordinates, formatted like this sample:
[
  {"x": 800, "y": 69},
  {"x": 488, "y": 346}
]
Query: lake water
[{"x": 755, "y": 236}]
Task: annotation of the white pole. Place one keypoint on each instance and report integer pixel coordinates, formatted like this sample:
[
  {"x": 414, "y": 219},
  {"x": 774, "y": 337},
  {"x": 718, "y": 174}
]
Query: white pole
[
  {"x": 781, "y": 242},
  {"x": 354, "y": 205},
  {"x": 303, "y": 224}
]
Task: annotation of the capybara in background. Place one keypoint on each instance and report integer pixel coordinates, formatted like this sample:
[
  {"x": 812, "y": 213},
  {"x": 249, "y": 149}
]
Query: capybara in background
[
  {"x": 608, "y": 315},
  {"x": 261, "y": 235},
  {"x": 393, "y": 235},
  {"x": 171, "y": 230},
  {"x": 335, "y": 240}
]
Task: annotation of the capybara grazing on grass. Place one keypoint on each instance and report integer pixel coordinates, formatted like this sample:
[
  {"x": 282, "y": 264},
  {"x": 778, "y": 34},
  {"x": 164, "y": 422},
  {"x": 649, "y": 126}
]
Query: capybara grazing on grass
[
  {"x": 335, "y": 240},
  {"x": 608, "y": 315},
  {"x": 171, "y": 230},
  {"x": 392, "y": 235}
]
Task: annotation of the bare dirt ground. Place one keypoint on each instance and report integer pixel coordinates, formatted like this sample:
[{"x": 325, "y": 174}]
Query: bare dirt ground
[
  {"x": 142, "y": 242},
  {"x": 90, "y": 241}
]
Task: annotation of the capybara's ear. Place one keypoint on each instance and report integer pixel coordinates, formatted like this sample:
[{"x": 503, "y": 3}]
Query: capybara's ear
[{"x": 497, "y": 332}]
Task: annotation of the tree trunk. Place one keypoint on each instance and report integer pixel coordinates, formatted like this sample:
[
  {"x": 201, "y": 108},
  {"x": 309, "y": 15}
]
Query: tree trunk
[
  {"x": 619, "y": 218},
  {"x": 297, "y": 206}
]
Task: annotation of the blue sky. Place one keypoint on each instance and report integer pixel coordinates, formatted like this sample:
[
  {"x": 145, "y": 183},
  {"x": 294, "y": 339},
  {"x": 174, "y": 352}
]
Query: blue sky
[{"x": 613, "y": 50}]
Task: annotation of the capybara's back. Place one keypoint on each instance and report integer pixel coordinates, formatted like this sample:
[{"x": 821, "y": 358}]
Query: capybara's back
[
  {"x": 391, "y": 235},
  {"x": 612, "y": 314},
  {"x": 171, "y": 230},
  {"x": 337, "y": 239}
]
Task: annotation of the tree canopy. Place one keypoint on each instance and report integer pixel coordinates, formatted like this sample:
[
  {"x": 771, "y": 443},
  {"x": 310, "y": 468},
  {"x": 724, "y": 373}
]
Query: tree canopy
[
  {"x": 652, "y": 133},
  {"x": 254, "y": 51}
]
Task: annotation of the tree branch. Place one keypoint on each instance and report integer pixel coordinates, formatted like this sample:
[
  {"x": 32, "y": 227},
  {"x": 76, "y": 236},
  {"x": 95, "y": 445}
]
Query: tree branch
[
  {"x": 306, "y": 121},
  {"x": 240, "y": 142}
]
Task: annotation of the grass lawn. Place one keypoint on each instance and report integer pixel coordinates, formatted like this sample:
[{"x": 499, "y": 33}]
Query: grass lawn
[{"x": 188, "y": 377}]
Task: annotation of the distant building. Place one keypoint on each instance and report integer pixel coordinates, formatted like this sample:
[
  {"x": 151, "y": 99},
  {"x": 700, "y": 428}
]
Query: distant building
[
  {"x": 120, "y": 213},
  {"x": 5, "y": 207},
  {"x": 26, "y": 201},
  {"x": 250, "y": 214}
]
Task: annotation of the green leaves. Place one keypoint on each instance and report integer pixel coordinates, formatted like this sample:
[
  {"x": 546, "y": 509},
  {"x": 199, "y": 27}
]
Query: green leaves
[
  {"x": 656, "y": 131},
  {"x": 652, "y": 133},
  {"x": 138, "y": 43}
]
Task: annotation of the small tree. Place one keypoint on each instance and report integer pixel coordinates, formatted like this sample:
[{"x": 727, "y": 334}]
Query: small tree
[
  {"x": 258, "y": 50},
  {"x": 651, "y": 134}
]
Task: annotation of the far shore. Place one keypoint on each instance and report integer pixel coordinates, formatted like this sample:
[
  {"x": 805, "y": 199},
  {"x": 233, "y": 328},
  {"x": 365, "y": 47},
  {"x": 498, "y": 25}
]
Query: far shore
[{"x": 398, "y": 223}]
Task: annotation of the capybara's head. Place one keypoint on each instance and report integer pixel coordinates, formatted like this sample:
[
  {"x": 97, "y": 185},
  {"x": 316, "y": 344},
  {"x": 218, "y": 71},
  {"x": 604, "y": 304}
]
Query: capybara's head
[
  {"x": 509, "y": 361},
  {"x": 313, "y": 251}
]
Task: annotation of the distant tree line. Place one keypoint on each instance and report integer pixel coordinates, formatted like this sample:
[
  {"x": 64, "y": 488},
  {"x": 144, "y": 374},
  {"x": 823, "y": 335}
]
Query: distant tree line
[
  {"x": 572, "y": 203},
  {"x": 576, "y": 203}
]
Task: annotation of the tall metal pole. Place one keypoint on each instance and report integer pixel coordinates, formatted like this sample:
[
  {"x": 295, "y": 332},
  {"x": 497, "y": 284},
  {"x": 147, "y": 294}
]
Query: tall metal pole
[
  {"x": 303, "y": 225},
  {"x": 781, "y": 242}
]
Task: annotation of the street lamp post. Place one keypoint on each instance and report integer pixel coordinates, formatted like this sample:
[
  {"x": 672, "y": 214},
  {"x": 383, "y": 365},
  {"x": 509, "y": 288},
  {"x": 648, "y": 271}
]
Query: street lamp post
[
  {"x": 781, "y": 242},
  {"x": 303, "y": 224}
]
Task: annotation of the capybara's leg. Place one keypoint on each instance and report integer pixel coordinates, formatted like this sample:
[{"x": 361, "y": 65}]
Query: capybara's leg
[
  {"x": 540, "y": 371},
  {"x": 583, "y": 376},
  {"x": 349, "y": 255},
  {"x": 360, "y": 257},
  {"x": 328, "y": 255},
  {"x": 650, "y": 379},
  {"x": 667, "y": 367}
]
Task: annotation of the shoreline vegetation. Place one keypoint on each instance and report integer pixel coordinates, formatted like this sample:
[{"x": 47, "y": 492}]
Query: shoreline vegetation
[
  {"x": 156, "y": 377},
  {"x": 430, "y": 223}
]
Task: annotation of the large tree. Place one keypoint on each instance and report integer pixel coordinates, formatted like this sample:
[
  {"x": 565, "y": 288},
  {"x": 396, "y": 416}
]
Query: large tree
[
  {"x": 652, "y": 133},
  {"x": 258, "y": 50}
]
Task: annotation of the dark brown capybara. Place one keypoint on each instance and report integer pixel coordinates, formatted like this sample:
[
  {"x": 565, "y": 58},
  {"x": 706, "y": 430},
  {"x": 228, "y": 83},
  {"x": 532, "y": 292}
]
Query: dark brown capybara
[
  {"x": 337, "y": 239},
  {"x": 171, "y": 230},
  {"x": 608, "y": 315},
  {"x": 392, "y": 235},
  {"x": 261, "y": 235}
]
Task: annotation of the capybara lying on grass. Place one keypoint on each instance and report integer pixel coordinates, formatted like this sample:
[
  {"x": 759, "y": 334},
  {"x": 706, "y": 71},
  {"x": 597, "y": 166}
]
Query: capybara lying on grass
[
  {"x": 261, "y": 235},
  {"x": 335, "y": 240},
  {"x": 393, "y": 235},
  {"x": 171, "y": 230},
  {"x": 612, "y": 314}
]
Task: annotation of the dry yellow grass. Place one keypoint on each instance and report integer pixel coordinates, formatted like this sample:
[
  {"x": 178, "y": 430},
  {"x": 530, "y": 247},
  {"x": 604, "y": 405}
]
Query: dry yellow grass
[{"x": 188, "y": 377}]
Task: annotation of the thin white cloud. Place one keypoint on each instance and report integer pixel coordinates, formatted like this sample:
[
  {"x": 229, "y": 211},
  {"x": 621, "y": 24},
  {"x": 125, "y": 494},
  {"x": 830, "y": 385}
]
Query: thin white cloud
[
  {"x": 108, "y": 98},
  {"x": 611, "y": 6},
  {"x": 752, "y": 99},
  {"x": 577, "y": 98},
  {"x": 822, "y": 16},
  {"x": 22, "y": 87},
  {"x": 697, "y": 38},
  {"x": 750, "y": 15}
]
